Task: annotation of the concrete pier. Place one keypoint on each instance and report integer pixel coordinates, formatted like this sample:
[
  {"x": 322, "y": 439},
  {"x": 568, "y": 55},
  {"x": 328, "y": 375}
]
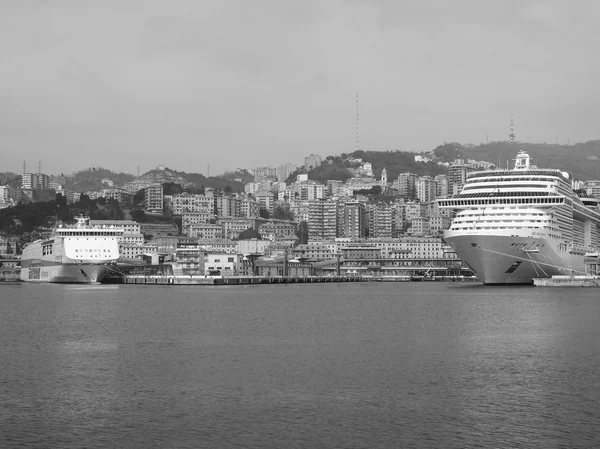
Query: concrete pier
[
  {"x": 139, "y": 279},
  {"x": 568, "y": 281}
]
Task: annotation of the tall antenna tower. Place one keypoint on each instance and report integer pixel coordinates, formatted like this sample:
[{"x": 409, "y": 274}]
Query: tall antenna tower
[
  {"x": 511, "y": 134},
  {"x": 207, "y": 170},
  {"x": 138, "y": 171},
  {"x": 24, "y": 167},
  {"x": 357, "y": 125},
  {"x": 39, "y": 167}
]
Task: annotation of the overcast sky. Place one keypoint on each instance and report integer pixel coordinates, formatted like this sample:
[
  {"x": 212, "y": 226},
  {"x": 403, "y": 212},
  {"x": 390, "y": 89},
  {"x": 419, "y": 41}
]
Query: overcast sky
[{"x": 246, "y": 83}]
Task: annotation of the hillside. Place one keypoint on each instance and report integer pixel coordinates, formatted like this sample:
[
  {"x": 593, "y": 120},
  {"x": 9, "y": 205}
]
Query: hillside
[
  {"x": 10, "y": 179},
  {"x": 215, "y": 182},
  {"x": 395, "y": 162},
  {"x": 91, "y": 179},
  {"x": 581, "y": 161}
]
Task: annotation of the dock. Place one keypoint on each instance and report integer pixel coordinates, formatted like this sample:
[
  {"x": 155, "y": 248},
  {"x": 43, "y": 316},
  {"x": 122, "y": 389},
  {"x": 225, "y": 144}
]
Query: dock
[
  {"x": 568, "y": 281},
  {"x": 139, "y": 279}
]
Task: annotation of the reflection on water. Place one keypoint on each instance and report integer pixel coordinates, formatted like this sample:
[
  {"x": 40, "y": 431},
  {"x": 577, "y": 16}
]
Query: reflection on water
[{"x": 348, "y": 365}]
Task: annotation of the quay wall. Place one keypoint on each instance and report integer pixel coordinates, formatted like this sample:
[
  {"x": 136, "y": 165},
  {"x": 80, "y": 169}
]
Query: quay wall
[
  {"x": 250, "y": 280},
  {"x": 568, "y": 281}
]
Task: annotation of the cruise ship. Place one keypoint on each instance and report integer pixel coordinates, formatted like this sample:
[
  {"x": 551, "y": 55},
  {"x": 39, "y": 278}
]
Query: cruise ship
[
  {"x": 73, "y": 254},
  {"x": 514, "y": 225}
]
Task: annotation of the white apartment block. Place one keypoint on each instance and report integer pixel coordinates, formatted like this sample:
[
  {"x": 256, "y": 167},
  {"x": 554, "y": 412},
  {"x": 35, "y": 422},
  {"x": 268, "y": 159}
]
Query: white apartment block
[
  {"x": 9, "y": 196},
  {"x": 266, "y": 200},
  {"x": 205, "y": 231},
  {"x": 312, "y": 161},
  {"x": 135, "y": 251},
  {"x": 194, "y": 218},
  {"x": 233, "y": 226},
  {"x": 218, "y": 245},
  {"x": 153, "y": 198},
  {"x": 285, "y": 170},
  {"x": 188, "y": 202},
  {"x": 249, "y": 207},
  {"x": 30, "y": 181},
  {"x": 222, "y": 263},
  {"x": 300, "y": 210},
  {"x": 228, "y": 206},
  {"x": 441, "y": 186},
  {"x": 419, "y": 226},
  {"x": 438, "y": 223},
  {"x": 426, "y": 189},
  {"x": 278, "y": 229},
  {"x": 323, "y": 220},
  {"x": 252, "y": 246}
]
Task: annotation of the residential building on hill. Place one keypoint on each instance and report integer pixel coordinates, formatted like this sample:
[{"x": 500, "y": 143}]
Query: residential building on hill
[
  {"x": 153, "y": 198},
  {"x": 322, "y": 219},
  {"x": 312, "y": 161},
  {"x": 457, "y": 177},
  {"x": 205, "y": 231},
  {"x": 9, "y": 196},
  {"x": 355, "y": 220},
  {"x": 196, "y": 203}
]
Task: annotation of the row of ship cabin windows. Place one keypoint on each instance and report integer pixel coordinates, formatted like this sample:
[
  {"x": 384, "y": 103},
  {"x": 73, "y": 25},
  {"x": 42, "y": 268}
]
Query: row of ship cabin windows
[
  {"x": 90, "y": 234},
  {"x": 486, "y": 201}
]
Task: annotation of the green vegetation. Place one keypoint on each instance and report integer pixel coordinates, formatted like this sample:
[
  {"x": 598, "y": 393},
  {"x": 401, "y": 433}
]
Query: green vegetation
[
  {"x": 214, "y": 182},
  {"x": 283, "y": 212},
  {"x": 25, "y": 218},
  {"x": 375, "y": 190},
  {"x": 581, "y": 160},
  {"x": 10, "y": 179},
  {"x": 249, "y": 234},
  {"x": 91, "y": 179},
  {"x": 396, "y": 162},
  {"x": 242, "y": 174}
]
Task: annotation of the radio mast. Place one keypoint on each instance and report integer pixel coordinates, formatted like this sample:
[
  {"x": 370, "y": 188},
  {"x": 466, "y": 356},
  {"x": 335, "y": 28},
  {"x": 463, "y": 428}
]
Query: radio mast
[{"x": 511, "y": 134}]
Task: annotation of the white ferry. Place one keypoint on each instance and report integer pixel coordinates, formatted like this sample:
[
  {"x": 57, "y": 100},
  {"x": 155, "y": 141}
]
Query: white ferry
[
  {"x": 515, "y": 225},
  {"x": 73, "y": 254}
]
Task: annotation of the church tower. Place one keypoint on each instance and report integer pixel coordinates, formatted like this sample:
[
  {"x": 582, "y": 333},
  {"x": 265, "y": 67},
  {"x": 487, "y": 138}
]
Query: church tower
[{"x": 384, "y": 180}]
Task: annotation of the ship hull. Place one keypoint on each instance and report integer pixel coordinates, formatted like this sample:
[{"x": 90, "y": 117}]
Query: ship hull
[
  {"x": 65, "y": 273},
  {"x": 509, "y": 259}
]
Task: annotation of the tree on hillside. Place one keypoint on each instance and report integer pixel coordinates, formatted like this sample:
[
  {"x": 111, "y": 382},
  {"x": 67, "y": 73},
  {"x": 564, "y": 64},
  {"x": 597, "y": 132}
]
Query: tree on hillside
[
  {"x": 171, "y": 188},
  {"x": 302, "y": 233},
  {"x": 375, "y": 190},
  {"x": 283, "y": 213},
  {"x": 448, "y": 151},
  {"x": 264, "y": 213},
  {"x": 248, "y": 234},
  {"x": 138, "y": 215},
  {"x": 138, "y": 198}
]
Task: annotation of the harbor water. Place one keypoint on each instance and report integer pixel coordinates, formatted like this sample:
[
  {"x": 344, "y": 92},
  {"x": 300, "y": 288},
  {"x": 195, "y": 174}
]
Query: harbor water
[{"x": 352, "y": 365}]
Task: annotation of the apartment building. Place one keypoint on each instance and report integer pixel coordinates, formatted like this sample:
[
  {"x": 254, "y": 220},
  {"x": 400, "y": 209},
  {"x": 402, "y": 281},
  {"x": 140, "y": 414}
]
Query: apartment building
[
  {"x": 426, "y": 189},
  {"x": 273, "y": 229},
  {"x": 322, "y": 219},
  {"x": 9, "y": 196},
  {"x": 406, "y": 185},
  {"x": 228, "y": 206},
  {"x": 382, "y": 220},
  {"x": 195, "y": 203},
  {"x": 457, "y": 177},
  {"x": 355, "y": 220},
  {"x": 153, "y": 198},
  {"x": 205, "y": 231}
]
